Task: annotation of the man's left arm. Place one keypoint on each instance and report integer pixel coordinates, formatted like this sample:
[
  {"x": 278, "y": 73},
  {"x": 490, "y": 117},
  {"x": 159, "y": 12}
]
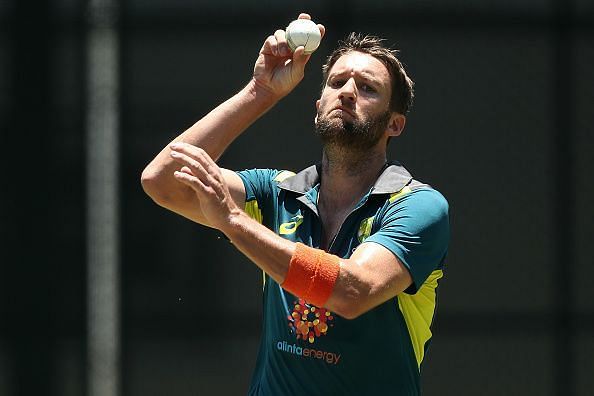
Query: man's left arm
[{"x": 371, "y": 276}]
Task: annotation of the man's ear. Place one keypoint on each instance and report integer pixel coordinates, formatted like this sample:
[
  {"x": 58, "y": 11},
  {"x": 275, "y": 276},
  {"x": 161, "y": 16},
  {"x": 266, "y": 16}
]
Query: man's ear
[
  {"x": 317, "y": 109},
  {"x": 396, "y": 124}
]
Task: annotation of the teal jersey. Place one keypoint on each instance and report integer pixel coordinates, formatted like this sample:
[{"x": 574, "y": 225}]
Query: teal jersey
[{"x": 309, "y": 350}]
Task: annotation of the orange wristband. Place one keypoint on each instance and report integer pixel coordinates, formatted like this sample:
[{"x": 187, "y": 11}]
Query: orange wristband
[{"x": 312, "y": 274}]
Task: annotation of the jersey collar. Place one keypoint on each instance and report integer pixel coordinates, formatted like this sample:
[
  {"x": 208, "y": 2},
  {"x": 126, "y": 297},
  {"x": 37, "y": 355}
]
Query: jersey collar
[{"x": 393, "y": 179}]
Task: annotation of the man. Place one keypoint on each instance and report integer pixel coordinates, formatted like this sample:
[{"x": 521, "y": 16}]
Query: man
[{"x": 351, "y": 248}]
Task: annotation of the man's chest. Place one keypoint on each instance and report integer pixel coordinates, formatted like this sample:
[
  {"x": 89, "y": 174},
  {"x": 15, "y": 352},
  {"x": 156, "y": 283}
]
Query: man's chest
[{"x": 338, "y": 232}]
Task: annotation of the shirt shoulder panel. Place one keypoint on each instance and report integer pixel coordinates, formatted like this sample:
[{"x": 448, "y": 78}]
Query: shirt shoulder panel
[
  {"x": 259, "y": 183},
  {"x": 415, "y": 227}
]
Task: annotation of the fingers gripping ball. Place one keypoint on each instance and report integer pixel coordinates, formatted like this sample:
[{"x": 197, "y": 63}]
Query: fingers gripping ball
[{"x": 303, "y": 32}]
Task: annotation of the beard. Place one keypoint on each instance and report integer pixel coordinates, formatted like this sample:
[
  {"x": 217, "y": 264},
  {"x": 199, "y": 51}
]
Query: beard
[{"x": 357, "y": 136}]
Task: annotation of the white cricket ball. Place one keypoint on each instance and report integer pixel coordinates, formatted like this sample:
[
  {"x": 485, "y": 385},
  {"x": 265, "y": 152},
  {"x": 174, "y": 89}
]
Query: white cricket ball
[{"x": 303, "y": 32}]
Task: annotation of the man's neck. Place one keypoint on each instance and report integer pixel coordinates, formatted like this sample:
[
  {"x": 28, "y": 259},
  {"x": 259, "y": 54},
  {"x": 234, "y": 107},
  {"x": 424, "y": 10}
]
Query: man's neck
[{"x": 347, "y": 176}]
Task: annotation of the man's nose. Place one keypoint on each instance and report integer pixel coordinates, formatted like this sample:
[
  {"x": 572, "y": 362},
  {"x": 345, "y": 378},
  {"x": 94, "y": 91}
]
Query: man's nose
[{"x": 348, "y": 91}]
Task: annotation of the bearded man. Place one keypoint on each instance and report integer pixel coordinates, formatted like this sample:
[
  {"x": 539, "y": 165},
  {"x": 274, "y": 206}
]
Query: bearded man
[{"x": 351, "y": 248}]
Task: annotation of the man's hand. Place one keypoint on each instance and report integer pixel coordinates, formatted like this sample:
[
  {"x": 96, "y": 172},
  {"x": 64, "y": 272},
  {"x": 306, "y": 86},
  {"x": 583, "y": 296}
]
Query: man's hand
[
  {"x": 278, "y": 70},
  {"x": 200, "y": 173}
]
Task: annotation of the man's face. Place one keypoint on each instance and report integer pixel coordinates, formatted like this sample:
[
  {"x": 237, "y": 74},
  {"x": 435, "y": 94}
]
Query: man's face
[{"x": 353, "y": 110}]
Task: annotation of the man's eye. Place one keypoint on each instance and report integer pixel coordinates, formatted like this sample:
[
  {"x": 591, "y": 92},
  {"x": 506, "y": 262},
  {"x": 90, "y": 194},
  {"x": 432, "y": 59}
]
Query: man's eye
[
  {"x": 367, "y": 88},
  {"x": 336, "y": 83}
]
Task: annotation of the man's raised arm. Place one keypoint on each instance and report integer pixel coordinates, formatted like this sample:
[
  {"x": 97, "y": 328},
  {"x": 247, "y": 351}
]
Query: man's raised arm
[{"x": 277, "y": 72}]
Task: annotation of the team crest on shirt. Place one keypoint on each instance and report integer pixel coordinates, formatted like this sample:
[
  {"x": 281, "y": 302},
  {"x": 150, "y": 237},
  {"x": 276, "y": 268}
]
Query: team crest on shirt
[
  {"x": 309, "y": 322},
  {"x": 291, "y": 226},
  {"x": 365, "y": 229}
]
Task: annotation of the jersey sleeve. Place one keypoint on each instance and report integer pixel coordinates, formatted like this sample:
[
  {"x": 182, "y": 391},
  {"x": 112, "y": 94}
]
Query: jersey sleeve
[
  {"x": 260, "y": 190},
  {"x": 258, "y": 183},
  {"x": 416, "y": 229}
]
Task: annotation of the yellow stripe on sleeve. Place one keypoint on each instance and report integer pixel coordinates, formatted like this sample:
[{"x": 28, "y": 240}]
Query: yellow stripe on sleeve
[
  {"x": 252, "y": 209},
  {"x": 399, "y": 194},
  {"x": 283, "y": 175},
  {"x": 418, "y": 310}
]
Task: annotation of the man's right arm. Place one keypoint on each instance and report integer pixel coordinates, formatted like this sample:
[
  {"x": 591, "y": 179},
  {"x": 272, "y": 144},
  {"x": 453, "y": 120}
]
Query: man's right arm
[
  {"x": 213, "y": 133},
  {"x": 276, "y": 72}
]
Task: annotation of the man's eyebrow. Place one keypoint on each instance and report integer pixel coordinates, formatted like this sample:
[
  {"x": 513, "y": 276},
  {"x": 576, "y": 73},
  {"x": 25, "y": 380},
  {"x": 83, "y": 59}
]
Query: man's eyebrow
[
  {"x": 371, "y": 78},
  {"x": 366, "y": 75}
]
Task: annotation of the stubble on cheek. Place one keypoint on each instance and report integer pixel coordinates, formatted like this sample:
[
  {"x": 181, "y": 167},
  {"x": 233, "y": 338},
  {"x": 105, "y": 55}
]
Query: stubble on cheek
[{"x": 359, "y": 133}]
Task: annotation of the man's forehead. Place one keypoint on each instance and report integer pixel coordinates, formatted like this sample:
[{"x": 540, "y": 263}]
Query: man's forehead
[{"x": 355, "y": 61}]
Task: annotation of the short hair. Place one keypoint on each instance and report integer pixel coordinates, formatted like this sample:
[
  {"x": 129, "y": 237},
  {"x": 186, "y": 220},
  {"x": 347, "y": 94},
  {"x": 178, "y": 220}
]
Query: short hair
[{"x": 402, "y": 85}]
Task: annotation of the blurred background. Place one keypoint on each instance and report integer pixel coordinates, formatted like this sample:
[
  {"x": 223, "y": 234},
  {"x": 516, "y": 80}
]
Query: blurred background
[{"x": 105, "y": 293}]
